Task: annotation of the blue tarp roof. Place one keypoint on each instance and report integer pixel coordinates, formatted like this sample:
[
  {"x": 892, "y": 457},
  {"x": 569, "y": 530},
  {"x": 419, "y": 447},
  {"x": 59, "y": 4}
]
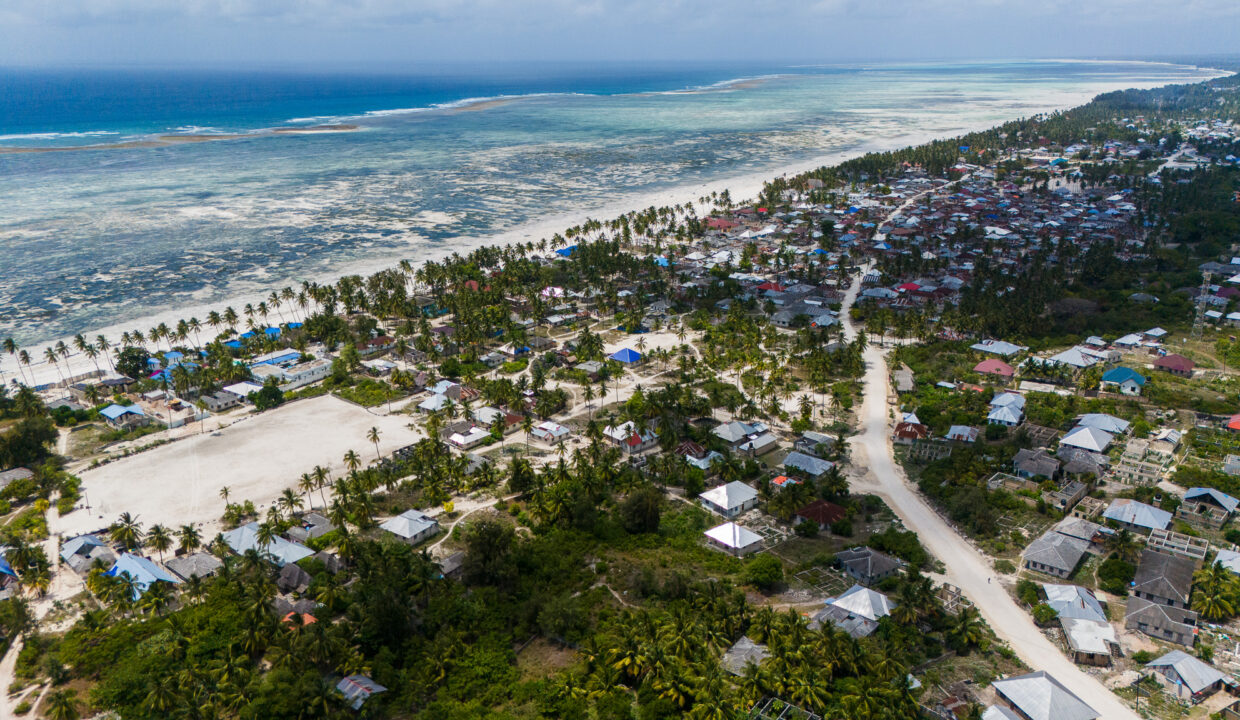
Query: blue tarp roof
[
  {"x": 174, "y": 355},
  {"x": 234, "y": 344},
  {"x": 143, "y": 571},
  {"x": 294, "y": 325},
  {"x": 247, "y": 335},
  {"x": 626, "y": 355},
  {"x": 272, "y": 331},
  {"x": 566, "y": 252},
  {"x": 6, "y": 568}
]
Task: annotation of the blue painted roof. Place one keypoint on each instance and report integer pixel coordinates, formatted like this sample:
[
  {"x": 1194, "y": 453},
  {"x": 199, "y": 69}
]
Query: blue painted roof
[
  {"x": 1223, "y": 500},
  {"x": 114, "y": 411},
  {"x": 143, "y": 571},
  {"x": 247, "y": 335},
  {"x": 173, "y": 355},
  {"x": 294, "y": 325},
  {"x": 234, "y": 344},
  {"x": 566, "y": 252},
  {"x": 1122, "y": 374},
  {"x": 6, "y": 568},
  {"x": 626, "y": 355},
  {"x": 272, "y": 331}
]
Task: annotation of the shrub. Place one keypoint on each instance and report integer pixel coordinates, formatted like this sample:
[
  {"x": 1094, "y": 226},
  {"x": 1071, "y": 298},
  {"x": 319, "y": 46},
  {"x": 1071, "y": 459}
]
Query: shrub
[
  {"x": 1027, "y": 591},
  {"x": 1115, "y": 574},
  {"x": 22, "y": 708},
  {"x": 1044, "y": 614},
  {"x": 842, "y": 527},
  {"x": 1142, "y": 657},
  {"x": 764, "y": 572},
  {"x": 1005, "y": 566},
  {"x": 807, "y": 528}
]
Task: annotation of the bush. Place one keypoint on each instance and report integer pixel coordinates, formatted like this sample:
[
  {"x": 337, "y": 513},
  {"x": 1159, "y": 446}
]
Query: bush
[
  {"x": 1005, "y": 566},
  {"x": 842, "y": 527},
  {"x": 1115, "y": 574},
  {"x": 1027, "y": 591},
  {"x": 1142, "y": 657},
  {"x": 22, "y": 708},
  {"x": 807, "y": 528},
  {"x": 764, "y": 572},
  {"x": 1044, "y": 614},
  {"x": 270, "y": 396}
]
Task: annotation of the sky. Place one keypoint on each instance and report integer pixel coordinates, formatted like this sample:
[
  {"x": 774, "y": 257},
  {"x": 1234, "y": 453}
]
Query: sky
[{"x": 407, "y": 34}]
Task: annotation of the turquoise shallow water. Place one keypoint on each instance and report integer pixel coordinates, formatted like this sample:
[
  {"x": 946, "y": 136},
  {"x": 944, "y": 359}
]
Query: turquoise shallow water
[{"x": 90, "y": 238}]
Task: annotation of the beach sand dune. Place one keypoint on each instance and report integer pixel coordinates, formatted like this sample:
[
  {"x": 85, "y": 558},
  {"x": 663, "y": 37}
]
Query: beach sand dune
[{"x": 257, "y": 458}]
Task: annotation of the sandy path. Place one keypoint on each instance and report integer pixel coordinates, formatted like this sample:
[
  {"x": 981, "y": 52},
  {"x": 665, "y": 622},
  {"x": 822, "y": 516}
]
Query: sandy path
[
  {"x": 966, "y": 567},
  {"x": 257, "y": 458}
]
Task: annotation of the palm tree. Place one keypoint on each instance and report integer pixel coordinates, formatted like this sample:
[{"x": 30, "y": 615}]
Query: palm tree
[
  {"x": 306, "y": 484},
  {"x": 159, "y": 540},
  {"x": 50, "y": 355},
  {"x": 189, "y": 538},
  {"x": 1215, "y": 593},
  {"x": 373, "y": 436},
  {"x": 352, "y": 461},
  {"x": 290, "y": 500},
  {"x": 126, "y": 532},
  {"x": 224, "y": 493},
  {"x": 967, "y": 630},
  {"x": 61, "y": 705}
]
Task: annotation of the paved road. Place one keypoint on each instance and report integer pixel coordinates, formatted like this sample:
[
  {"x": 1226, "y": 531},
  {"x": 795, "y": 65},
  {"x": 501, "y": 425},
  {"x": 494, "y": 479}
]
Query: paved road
[{"x": 966, "y": 567}]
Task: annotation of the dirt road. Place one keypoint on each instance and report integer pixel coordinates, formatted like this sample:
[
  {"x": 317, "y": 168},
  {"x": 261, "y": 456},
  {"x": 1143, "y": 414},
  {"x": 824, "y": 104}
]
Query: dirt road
[{"x": 966, "y": 567}]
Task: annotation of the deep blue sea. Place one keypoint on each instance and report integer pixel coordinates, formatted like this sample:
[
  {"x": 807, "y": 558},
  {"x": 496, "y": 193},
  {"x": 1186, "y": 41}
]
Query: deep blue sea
[{"x": 109, "y": 223}]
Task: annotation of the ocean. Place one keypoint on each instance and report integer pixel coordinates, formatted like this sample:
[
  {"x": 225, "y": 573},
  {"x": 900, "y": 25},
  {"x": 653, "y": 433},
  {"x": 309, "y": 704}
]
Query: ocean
[{"x": 111, "y": 222}]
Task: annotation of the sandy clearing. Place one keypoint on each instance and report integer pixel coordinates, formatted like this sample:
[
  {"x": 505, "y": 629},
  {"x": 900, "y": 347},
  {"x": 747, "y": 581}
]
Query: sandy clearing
[{"x": 256, "y": 458}]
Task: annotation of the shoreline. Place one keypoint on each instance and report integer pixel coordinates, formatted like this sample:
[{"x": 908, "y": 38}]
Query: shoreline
[{"x": 740, "y": 186}]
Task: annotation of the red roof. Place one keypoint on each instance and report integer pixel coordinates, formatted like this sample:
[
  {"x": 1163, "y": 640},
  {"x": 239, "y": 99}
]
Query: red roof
[
  {"x": 768, "y": 285},
  {"x": 822, "y": 512},
  {"x": 1234, "y": 422},
  {"x": 1175, "y": 362},
  {"x": 994, "y": 366},
  {"x": 908, "y": 286},
  {"x": 915, "y": 431}
]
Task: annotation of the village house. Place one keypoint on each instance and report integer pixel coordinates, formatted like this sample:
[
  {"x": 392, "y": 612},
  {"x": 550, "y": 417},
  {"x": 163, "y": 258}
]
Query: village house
[
  {"x": 1125, "y": 381},
  {"x": 1039, "y": 696},
  {"x": 1207, "y": 506},
  {"x": 734, "y": 539},
  {"x": 821, "y": 513},
  {"x": 1087, "y": 630},
  {"x": 626, "y": 437},
  {"x": 729, "y": 500},
  {"x": 1137, "y": 516},
  {"x": 1176, "y": 365},
  {"x": 1055, "y": 554},
  {"x": 1159, "y": 606},
  {"x": 412, "y": 526},
  {"x": 814, "y": 443},
  {"x": 1186, "y": 677},
  {"x": 1035, "y": 464},
  {"x": 856, "y": 611},
  {"x": 868, "y": 566},
  {"x": 996, "y": 368}
]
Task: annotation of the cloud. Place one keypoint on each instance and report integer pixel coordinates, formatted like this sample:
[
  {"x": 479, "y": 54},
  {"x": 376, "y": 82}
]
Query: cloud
[{"x": 422, "y": 30}]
